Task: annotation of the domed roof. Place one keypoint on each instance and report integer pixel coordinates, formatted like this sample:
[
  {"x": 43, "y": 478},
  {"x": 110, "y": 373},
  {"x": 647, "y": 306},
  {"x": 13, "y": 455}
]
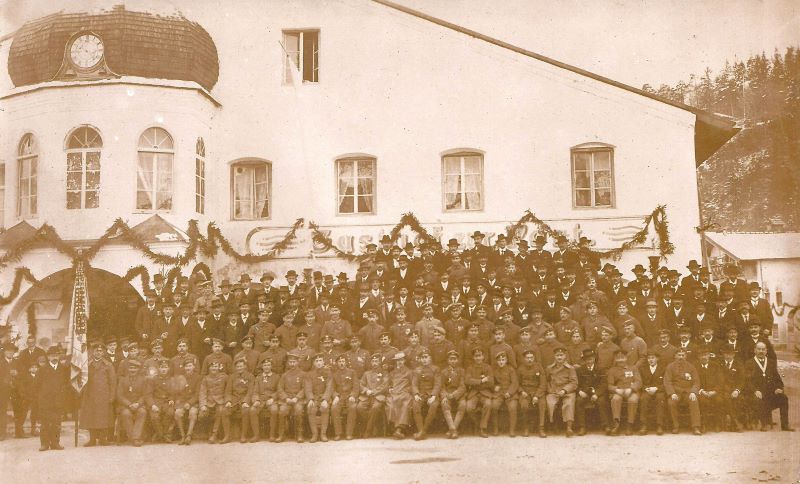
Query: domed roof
[{"x": 134, "y": 44}]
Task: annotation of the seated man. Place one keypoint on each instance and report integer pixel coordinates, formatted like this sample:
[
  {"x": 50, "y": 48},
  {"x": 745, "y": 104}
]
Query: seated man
[
  {"x": 562, "y": 382},
  {"x": 399, "y": 394},
  {"x": 319, "y": 388},
  {"x": 682, "y": 382},
  {"x": 765, "y": 384},
  {"x": 624, "y": 383},
  {"x": 426, "y": 384},
  {"x": 184, "y": 388},
  {"x": 453, "y": 391},
  {"x": 709, "y": 396},
  {"x": 161, "y": 407},
  {"x": 212, "y": 396},
  {"x": 264, "y": 400},
  {"x": 372, "y": 400},
  {"x": 238, "y": 390},
  {"x": 345, "y": 397},
  {"x": 131, "y": 395},
  {"x": 652, "y": 375},
  {"x": 732, "y": 387},
  {"x": 532, "y": 387},
  {"x": 479, "y": 379},
  {"x": 505, "y": 391},
  {"x": 592, "y": 391},
  {"x": 291, "y": 396}
]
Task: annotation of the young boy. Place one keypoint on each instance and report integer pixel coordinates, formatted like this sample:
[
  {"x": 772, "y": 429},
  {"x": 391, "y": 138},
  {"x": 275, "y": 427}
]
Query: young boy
[
  {"x": 505, "y": 391},
  {"x": 426, "y": 385},
  {"x": 345, "y": 396}
]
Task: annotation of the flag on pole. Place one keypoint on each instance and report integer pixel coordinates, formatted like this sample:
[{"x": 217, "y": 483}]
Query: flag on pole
[{"x": 79, "y": 315}]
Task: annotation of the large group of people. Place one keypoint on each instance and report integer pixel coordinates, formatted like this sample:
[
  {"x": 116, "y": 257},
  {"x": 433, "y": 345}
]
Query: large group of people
[{"x": 425, "y": 340}]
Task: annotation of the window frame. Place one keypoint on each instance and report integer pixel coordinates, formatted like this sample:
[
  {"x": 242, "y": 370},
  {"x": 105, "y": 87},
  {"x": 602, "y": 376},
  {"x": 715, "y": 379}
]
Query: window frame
[
  {"x": 252, "y": 163},
  {"x": 356, "y": 159},
  {"x": 156, "y": 150},
  {"x": 200, "y": 176},
  {"x": 593, "y": 147},
  {"x": 32, "y": 181},
  {"x": 315, "y": 66},
  {"x": 462, "y": 153},
  {"x": 84, "y": 151}
]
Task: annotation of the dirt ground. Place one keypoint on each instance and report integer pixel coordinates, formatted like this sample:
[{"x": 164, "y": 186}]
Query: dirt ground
[{"x": 714, "y": 457}]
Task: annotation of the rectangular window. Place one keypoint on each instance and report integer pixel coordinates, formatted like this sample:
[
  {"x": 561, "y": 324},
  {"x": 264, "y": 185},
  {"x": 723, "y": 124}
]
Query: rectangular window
[
  {"x": 462, "y": 179},
  {"x": 302, "y": 55},
  {"x": 83, "y": 179},
  {"x": 154, "y": 181},
  {"x": 251, "y": 191},
  {"x": 356, "y": 185},
  {"x": 592, "y": 178},
  {"x": 199, "y": 185},
  {"x": 27, "y": 199},
  {"x": 2, "y": 195}
]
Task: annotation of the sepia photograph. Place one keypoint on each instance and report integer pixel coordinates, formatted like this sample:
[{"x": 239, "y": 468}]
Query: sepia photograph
[{"x": 402, "y": 241}]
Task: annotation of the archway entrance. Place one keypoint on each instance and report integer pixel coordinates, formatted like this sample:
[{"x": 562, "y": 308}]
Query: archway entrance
[{"x": 113, "y": 303}]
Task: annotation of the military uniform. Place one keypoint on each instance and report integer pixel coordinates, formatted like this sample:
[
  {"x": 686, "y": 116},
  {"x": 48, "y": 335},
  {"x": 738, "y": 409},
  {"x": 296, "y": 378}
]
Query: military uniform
[
  {"x": 212, "y": 398},
  {"x": 399, "y": 395},
  {"x": 374, "y": 385},
  {"x": 426, "y": 384},
  {"x": 452, "y": 396},
  {"x": 184, "y": 392},
  {"x": 238, "y": 391},
  {"x": 505, "y": 391},
  {"x": 624, "y": 377},
  {"x": 479, "y": 379},
  {"x": 131, "y": 398},
  {"x": 318, "y": 388},
  {"x": 291, "y": 392},
  {"x": 562, "y": 382},
  {"x": 532, "y": 385},
  {"x": 159, "y": 408},
  {"x": 681, "y": 379},
  {"x": 345, "y": 395},
  {"x": 265, "y": 399}
]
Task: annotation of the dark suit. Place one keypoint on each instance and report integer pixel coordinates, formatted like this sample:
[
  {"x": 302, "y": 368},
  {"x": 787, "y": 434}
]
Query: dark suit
[
  {"x": 732, "y": 379},
  {"x": 652, "y": 379},
  {"x": 591, "y": 382},
  {"x": 767, "y": 382},
  {"x": 53, "y": 387},
  {"x": 5, "y": 391}
]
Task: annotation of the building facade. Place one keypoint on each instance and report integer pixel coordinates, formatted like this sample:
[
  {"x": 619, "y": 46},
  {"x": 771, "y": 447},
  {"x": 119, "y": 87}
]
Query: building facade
[{"x": 348, "y": 113}]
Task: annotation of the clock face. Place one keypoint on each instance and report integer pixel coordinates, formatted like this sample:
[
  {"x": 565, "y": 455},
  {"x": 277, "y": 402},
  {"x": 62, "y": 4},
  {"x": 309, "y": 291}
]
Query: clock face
[{"x": 86, "y": 51}]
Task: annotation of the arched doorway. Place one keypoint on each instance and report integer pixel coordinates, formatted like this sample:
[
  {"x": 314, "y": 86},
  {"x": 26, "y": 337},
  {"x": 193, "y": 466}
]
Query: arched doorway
[{"x": 113, "y": 303}]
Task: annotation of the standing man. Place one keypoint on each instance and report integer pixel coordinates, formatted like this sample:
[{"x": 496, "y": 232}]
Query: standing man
[
  {"x": 8, "y": 371},
  {"x": 97, "y": 413},
  {"x": 53, "y": 382}
]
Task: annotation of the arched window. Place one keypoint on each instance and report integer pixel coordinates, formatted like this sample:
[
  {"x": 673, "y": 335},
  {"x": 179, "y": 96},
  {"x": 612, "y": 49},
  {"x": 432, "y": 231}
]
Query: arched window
[
  {"x": 200, "y": 176},
  {"x": 356, "y": 181},
  {"x": 251, "y": 182},
  {"x": 462, "y": 181},
  {"x": 592, "y": 175},
  {"x": 154, "y": 172},
  {"x": 27, "y": 161},
  {"x": 84, "y": 145}
]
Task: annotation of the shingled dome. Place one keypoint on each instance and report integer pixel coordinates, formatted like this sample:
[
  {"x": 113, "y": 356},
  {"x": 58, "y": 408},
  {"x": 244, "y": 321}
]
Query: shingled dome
[{"x": 134, "y": 44}]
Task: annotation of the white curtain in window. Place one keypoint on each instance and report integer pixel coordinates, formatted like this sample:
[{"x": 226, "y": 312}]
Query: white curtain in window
[
  {"x": 144, "y": 182},
  {"x": 243, "y": 192},
  {"x": 346, "y": 188},
  {"x": 261, "y": 191},
  {"x": 366, "y": 175}
]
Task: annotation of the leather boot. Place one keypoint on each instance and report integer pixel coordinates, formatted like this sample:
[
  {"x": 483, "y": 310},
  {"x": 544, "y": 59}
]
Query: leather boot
[
  {"x": 312, "y": 422},
  {"x": 323, "y": 425},
  {"x": 255, "y": 427},
  {"x": 226, "y": 430},
  {"x": 350, "y": 424}
]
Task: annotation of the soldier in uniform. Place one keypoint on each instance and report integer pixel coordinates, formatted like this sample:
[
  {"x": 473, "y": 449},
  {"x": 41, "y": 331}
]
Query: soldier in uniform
[
  {"x": 479, "y": 379},
  {"x": 264, "y": 400},
  {"x": 184, "y": 392},
  {"x": 426, "y": 385},
  {"x": 505, "y": 391},
  {"x": 249, "y": 355},
  {"x": 161, "y": 408},
  {"x": 217, "y": 356},
  {"x": 532, "y": 386},
  {"x": 318, "y": 387},
  {"x": 177, "y": 362},
  {"x": 562, "y": 382},
  {"x": 291, "y": 395},
  {"x": 399, "y": 395},
  {"x": 238, "y": 391},
  {"x": 372, "y": 399},
  {"x": 345, "y": 396},
  {"x": 652, "y": 375},
  {"x": 131, "y": 394},
  {"x": 212, "y": 395},
  {"x": 624, "y": 384},
  {"x": 682, "y": 382},
  {"x": 358, "y": 357},
  {"x": 452, "y": 395}
]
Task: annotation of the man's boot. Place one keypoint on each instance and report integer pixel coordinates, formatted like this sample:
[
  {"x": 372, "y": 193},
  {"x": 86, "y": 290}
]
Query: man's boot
[
  {"x": 419, "y": 435},
  {"x": 312, "y": 422},
  {"x": 323, "y": 425},
  {"x": 337, "y": 426},
  {"x": 226, "y": 430},
  {"x": 569, "y": 429},
  {"x": 350, "y": 424},
  {"x": 254, "y": 426}
]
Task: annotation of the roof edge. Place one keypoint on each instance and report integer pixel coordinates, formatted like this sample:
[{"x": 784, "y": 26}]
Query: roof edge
[{"x": 713, "y": 131}]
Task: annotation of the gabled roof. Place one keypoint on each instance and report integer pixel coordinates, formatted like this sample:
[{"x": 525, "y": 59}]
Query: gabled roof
[
  {"x": 16, "y": 234},
  {"x": 711, "y": 130},
  {"x": 155, "y": 229},
  {"x": 755, "y": 246}
]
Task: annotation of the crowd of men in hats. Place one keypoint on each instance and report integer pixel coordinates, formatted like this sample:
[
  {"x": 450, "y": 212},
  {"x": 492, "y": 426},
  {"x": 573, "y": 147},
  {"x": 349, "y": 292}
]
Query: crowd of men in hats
[{"x": 423, "y": 339}]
